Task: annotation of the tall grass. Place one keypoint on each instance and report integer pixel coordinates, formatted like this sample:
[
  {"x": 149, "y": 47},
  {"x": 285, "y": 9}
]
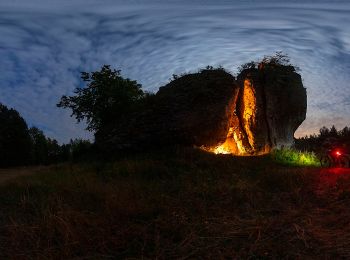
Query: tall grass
[
  {"x": 292, "y": 157},
  {"x": 184, "y": 204}
]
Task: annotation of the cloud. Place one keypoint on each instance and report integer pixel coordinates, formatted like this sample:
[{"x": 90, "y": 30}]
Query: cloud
[{"x": 45, "y": 44}]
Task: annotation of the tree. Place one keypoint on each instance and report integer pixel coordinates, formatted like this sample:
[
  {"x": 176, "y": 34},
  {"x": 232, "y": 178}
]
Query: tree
[
  {"x": 106, "y": 99},
  {"x": 47, "y": 150},
  {"x": 278, "y": 59},
  {"x": 15, "y": 144},
  {"x": 39, "y": 146},
  {"x": 333, "y": 132},
  {"x": 53, "y": 151},
  {"x": 80, "y": 149},
  {"x": 324, "y": 132}
]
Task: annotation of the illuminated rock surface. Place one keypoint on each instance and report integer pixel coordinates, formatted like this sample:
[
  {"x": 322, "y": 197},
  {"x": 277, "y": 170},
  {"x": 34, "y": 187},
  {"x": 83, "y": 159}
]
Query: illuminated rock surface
[{"x": 211, "y": 109}]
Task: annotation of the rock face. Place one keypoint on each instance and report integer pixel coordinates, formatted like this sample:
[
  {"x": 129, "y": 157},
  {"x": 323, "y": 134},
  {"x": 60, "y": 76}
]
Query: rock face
[
  {"x": 272, "y": 106},
  {"x": 211, "y": 109}
]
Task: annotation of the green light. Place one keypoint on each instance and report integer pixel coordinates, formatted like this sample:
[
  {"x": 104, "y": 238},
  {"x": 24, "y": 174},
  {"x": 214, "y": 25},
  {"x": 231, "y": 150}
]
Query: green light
[{"x": 294, "y": 157}]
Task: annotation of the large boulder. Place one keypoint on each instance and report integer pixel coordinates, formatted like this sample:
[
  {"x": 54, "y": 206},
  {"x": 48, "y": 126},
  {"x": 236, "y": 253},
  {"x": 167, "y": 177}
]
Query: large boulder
[
  {"x": 211, "y": 109},
  {"x": 272, "y": 105},
  {"x": 197, "y": 109},
  {"x": 285, "y": 103}
]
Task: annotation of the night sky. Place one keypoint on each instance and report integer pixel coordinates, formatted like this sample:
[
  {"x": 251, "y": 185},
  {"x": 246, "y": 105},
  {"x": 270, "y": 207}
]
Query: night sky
[{"x": 44, "y": 44}]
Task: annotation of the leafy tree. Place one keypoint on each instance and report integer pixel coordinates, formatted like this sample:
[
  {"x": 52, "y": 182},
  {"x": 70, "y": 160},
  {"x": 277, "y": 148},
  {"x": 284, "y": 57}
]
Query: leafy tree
[
  {"x": 53, "y": 151},
  {"x": 333, "y": 132},
  {"x": 345, "y": 132},
  {"x": 324, "y": 132},
  {"x": 247, "y": 66},
  {"x": 65, "y": 153},
  {"x": 39, "y": 146},
  {"x": 80, "y": 149},
  {"x": 106, "y": 98},
  {"x": 278, "y": 60},
  {"x": 47, "y": 150},
  {"x": 327, "y": 138},
  {"x": 15, "y": 144}
]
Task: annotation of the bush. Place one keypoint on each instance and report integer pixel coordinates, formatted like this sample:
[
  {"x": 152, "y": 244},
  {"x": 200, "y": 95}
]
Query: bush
[
  {"x": 295, "y": 158},
  {"x": 105, "y": 99},
  {"x": 15, "y": 144}
]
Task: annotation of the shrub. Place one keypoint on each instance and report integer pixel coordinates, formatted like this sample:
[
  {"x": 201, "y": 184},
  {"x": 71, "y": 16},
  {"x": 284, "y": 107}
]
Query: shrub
[{"x": 294, "y": 157}]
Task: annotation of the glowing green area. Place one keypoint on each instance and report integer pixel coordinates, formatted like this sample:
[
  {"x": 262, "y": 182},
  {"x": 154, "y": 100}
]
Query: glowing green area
[{"x": 294, "y": 157}]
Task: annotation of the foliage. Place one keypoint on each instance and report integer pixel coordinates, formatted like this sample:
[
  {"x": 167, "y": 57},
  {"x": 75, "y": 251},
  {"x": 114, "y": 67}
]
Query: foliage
[
  {"x": 279, "y": 59},
  {"x": 200, "y": 70},
  {"x": 327, "y": 138},
  {"x": 47, "y": 151},
  {"x": 105, "y": 99},
  {"x": 209, "y": 67},
  {"x": 15, "y": 142},
  {"x": 175, "y": 204},
  {"x": 295, "y": 158},
  {"x": 248, "y": 66},
  {"x": 44, "y": 150},
  {"x": 22, "y": 146},
  {"x": 80, "y": 149}
]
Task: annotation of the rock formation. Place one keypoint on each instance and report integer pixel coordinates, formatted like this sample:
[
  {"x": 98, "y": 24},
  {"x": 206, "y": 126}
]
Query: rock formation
[{"x": 250, "y": 115}]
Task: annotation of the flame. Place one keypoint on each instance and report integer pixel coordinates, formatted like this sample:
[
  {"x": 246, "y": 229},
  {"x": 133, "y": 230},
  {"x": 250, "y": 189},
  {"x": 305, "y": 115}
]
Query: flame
[
  {"x": 249, "y": 110},
  {"x": 232, "y": 145},
  {"x": 237, "y": 142},
  {"x": 234, "y": 140},
  {"x": 221, "y": 149}
]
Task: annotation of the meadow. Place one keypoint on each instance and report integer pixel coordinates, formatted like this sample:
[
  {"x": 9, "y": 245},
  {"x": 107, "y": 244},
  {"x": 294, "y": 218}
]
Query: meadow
[{"x": 181, "y": 203}]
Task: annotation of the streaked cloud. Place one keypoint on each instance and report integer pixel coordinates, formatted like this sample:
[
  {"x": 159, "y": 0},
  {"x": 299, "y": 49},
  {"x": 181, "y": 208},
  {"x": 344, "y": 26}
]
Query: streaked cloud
[{"x": 45, "y": 44}]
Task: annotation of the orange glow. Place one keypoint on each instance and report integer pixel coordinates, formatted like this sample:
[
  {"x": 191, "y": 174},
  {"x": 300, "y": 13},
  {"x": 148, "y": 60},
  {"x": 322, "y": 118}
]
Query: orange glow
[
  {"x": 232, "y": 144},
  {"x": 249, "y": 110},
  {"x": 243, "y": 137},
  {"x": 236, "y": 141},
  {"x": 222, "y": 149}
]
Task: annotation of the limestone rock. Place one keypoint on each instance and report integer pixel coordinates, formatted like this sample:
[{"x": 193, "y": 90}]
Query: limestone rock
[
  {"x": 198, "y": 107},
  {"x": 211, "y": 109}
]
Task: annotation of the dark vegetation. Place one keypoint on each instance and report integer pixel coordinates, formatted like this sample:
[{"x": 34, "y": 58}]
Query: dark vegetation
[
  {"x": 123, "y": 117},
  {"x": 15, "y": 143},
  {"x": 270, "y": 62},
  {"x": 20, "y": 145},
  {"x": 106, "y": 101},
  {"x": 327, "y": 138},
  {"x": 170, "y": 203}
]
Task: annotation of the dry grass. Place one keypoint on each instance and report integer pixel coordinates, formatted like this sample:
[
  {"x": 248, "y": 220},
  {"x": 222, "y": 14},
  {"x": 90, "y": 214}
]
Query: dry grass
[{"x": 181, "y": 204}]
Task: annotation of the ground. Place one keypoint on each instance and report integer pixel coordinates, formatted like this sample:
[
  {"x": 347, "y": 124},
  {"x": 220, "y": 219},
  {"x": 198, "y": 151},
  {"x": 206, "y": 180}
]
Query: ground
[{"x": 176, "y": 204}]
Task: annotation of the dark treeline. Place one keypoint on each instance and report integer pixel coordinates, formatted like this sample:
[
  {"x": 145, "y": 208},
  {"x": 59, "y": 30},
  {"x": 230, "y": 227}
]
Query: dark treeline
[
  {"x": 327, "y": 138},
  {"x": 20, "y": 145},
  {"x": 108, "y": 100}
]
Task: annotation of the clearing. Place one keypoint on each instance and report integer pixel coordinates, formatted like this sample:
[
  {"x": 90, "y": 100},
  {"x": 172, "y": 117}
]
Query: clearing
[{"x": 175, "y": 204}]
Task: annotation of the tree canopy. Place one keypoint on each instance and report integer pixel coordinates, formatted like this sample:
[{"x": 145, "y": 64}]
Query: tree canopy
[
  {"x": 106, "y": 98},
  {"x": 279, "y": 59},
  {"x": 15, "y": 145},
  {"x": 22, "y": 146}
]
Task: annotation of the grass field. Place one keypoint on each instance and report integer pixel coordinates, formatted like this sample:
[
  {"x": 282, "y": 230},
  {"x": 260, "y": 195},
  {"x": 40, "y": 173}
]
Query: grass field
[{"x": 183, "y": 204}]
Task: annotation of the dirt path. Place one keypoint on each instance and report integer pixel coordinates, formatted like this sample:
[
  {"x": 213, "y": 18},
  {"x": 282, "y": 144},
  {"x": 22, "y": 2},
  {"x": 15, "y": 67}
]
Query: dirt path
[{"x": 8, "y": 174}]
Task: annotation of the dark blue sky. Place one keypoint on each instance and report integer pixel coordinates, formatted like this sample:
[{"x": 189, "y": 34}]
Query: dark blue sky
[{"x": 45, "y": 43}]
